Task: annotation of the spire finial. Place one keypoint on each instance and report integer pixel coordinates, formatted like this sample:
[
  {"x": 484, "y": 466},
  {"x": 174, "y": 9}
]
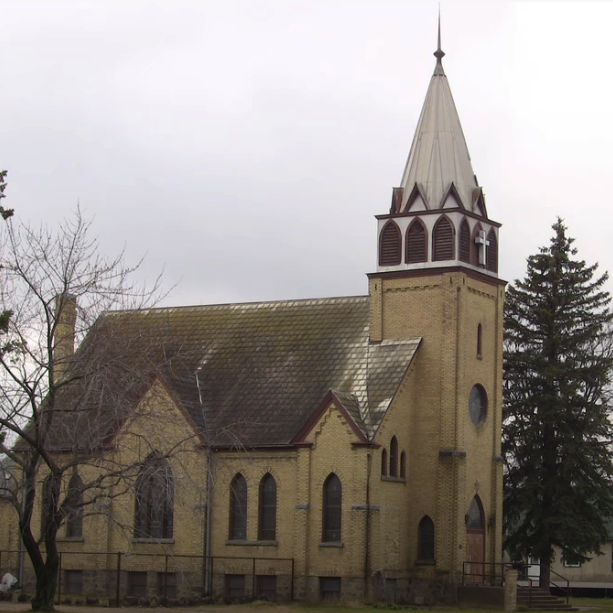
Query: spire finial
[{"x": 439, "y": 54}]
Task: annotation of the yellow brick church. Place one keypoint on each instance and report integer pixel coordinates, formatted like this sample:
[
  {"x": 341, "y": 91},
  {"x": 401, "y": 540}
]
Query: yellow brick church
[{"x": 312, "y": 449}]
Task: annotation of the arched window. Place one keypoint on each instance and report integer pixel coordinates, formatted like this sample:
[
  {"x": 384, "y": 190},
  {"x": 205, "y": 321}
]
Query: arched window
[
  {"x": 384, "y": 462},
  {"x": 390, "y": 245},
  {"x": 474, "y": 517},
  {"x": 416, "y": 248},
  {"x": 153, "y": 517},
  {"x": 492, "y": 251},
  {"x": 479, "y": 342},
  {"x": 465, "y": 242},
  {"x": 238, "y": 509},
  {"x": 394, "y": 457},
  {"x": 403, "y": 465},
  {"x": 332, "y": 509},
  {"x": 267, "y": 525},
  {"x": 442, "y": 240},
  {"x": 425, "y": 539},
  {"x": 74, "y": 520}
]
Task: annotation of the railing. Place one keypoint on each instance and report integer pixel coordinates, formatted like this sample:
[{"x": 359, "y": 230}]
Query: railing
[
  {"x": 531, "y": 579},
  {"x": 190, "y": 574},
  {"x": 477, "y": 572}
]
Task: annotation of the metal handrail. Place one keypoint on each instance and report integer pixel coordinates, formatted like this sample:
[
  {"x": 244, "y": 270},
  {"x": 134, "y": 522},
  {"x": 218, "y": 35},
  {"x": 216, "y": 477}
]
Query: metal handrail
[
  {"x": 523, "y": 576},
  {"x": 563, "y": 589},
  {"x": 494, "y": 575}
]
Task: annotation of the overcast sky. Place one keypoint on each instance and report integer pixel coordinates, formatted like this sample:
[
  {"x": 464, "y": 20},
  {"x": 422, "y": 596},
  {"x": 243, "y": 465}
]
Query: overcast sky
[{"x": 246, "y": 146}]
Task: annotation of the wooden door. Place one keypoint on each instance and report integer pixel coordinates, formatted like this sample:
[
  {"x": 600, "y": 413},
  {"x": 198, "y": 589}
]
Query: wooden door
[{"x": 475, "y": 542}]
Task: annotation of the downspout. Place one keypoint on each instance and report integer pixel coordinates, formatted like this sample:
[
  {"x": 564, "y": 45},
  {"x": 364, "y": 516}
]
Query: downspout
[
  {"x": 208, "y": 580},
  {"x": 22, "y": 551},
  {"x": 367, "y": 527}
]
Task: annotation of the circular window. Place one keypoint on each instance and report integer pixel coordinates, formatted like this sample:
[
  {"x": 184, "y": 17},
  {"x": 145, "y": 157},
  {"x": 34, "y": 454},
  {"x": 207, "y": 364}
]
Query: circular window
[{"x": 477, "y": 405}]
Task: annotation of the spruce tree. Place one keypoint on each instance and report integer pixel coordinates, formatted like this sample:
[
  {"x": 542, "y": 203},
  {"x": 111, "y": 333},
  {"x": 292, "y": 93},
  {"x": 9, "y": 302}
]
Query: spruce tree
[{"x": 557, "y": 428}]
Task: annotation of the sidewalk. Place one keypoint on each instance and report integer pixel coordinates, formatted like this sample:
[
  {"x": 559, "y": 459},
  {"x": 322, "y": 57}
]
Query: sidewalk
[{"x": 22, "y": 607}]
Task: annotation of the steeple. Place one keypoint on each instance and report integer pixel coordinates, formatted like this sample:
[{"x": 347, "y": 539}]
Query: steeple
[
  {"x": 439, "y": 156},
  {"x": 438, "y": 218}
]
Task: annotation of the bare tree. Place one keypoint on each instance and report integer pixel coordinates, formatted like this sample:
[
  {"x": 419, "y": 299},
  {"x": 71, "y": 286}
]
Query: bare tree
[{"x": 61, "y": 411}]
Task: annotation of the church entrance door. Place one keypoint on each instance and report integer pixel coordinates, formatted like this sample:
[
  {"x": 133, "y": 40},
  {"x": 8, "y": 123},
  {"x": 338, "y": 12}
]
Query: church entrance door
[{"x": 475, "y": 542}]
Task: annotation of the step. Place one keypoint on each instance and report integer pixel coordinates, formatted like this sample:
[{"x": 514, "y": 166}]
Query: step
[{"x": 541, "y": 600}]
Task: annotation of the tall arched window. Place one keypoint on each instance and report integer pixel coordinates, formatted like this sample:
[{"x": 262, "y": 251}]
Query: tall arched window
[
  {"x": 465, "y": 242},
  {"x": 394, "y": 457},
  {"x": 267, "y": 524},
  {"x": 74, "y": 520},
  {"x": 442, "y": 240},
  {"x": 384, "y": 462},
  {"x": 332, "y": 509},
  {"x": 153, "y": 517},
  {"x": 479, "y": 342},
  {"x": 238, "y": 508},
  {"x": 416, "y": 248},
  {"x": 425, "y": 539},
  {"x": 403, "y": 465},
  {"x": 390, "y": 244},
  {"x": 492, "y": 252}
]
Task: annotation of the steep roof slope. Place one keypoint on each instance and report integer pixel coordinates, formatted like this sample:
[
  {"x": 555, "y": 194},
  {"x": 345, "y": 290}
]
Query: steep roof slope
[{"x": 247, "y": 374}]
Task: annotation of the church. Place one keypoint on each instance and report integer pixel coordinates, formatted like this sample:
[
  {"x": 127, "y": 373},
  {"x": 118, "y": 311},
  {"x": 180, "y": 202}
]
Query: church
[{"x": 340, "y": 448}]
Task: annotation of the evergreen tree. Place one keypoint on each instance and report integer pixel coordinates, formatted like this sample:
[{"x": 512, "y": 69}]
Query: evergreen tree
[{"x": 556, "y": 429}]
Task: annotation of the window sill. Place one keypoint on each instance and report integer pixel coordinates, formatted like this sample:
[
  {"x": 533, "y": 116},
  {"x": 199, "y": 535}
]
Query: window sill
[
  {"x": 425, "y": 562},
  {"x": 337, "y": 544},
  {"x": 394, "y": 479},
  {"x": 70, "y": 539},
  {"x": 154, "y": 541},
  {"x": 254, "y": 543}
]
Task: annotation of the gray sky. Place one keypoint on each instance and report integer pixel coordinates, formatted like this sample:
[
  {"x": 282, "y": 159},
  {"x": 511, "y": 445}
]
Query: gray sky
[{"x": 246, "y": 146}]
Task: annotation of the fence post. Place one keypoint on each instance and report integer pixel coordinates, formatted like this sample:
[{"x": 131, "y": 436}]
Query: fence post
[
  {"x": 118, "y": 579},
  {"x": 253, "y": 579},
  {"x": 166, "y": 579},
  {"x": 291, "y": 597},
  {"x": 212, "y": 579},
  {"x": 59, "y": 580}
]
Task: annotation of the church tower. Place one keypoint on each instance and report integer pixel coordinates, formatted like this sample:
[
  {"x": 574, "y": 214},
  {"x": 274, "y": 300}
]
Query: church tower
[{"x": 437, "y": 278}]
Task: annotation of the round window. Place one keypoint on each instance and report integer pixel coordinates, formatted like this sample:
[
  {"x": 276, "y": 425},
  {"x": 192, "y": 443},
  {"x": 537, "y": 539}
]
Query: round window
[{"x": 477, "y": 405}]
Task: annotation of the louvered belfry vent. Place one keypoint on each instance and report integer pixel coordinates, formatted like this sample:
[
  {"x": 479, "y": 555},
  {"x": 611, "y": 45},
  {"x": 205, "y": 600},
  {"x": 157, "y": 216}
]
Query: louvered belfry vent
[
  {"x": 442, "y": 240},
  {"x": 492, "y": 251},
  {"x": 390, "y": 245},
  {"x": 417, "y": 243},
  {"x": 465, "y": 242}
]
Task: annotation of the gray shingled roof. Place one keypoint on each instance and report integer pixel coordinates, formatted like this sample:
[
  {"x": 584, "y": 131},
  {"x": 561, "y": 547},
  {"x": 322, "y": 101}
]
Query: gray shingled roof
[{"x": 253, "y": 374}]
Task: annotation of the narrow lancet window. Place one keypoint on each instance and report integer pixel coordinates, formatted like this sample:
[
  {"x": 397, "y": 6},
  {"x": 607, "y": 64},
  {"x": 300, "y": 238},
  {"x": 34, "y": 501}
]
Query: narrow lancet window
[
  {"x": 416, "y": 248},
  {"x": 390, "y": 245},
  {"x": 442, "y": 240}
]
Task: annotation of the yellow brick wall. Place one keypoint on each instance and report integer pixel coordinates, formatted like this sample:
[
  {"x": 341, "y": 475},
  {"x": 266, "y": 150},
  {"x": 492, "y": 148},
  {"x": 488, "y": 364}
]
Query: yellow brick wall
[
  {"x": 445, "y": 310},
  {"x": 108, "y": 525}
]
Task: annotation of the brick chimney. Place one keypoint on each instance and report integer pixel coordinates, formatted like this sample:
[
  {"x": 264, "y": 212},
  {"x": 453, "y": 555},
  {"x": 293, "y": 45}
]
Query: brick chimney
[{"x": 64, "y": 336}]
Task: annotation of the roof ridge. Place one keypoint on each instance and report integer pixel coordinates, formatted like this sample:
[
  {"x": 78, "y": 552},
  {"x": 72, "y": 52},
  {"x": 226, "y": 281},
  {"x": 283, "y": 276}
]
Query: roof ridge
[{"x": 234, "y": 305}]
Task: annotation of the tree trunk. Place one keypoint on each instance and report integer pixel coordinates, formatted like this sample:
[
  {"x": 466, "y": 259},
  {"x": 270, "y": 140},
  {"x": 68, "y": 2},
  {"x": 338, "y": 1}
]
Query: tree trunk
[
  {"x": 545, "y": 575},
  {"x": 46, "y": 584}
]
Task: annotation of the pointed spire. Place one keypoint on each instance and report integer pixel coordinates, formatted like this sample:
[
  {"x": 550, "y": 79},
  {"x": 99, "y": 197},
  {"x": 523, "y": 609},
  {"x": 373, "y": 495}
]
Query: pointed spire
[
  {"x": 439, "y": 156},
  {"x": 439, "y": 54}
]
